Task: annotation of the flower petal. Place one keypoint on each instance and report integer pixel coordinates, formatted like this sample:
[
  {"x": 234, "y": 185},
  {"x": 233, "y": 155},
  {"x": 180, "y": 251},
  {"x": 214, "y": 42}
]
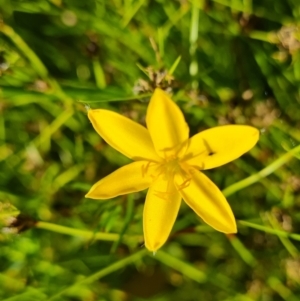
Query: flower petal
[
  {"x": 166, "y": 124},
  {"x": 205, "y": 198},
  {"x": 126, "y": 136},
  {"x": 160, "y": 212},
  {"x": 220, "y": 145},
  {"x": 130, "y": 178}
]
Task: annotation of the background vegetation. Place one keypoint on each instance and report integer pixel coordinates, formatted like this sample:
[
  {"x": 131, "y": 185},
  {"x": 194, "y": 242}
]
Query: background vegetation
[{"x": 225, "y": 61}]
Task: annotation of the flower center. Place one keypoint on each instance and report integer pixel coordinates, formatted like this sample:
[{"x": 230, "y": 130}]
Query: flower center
[
  {"x": 167, "y": 170},
  {"x": 170, "y": 167}
]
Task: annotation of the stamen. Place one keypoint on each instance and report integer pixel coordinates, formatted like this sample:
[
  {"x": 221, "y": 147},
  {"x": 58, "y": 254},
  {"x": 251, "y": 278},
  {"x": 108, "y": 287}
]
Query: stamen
[
  {"x": 184, "y": 184},
  {"x": 161, "y": 195},
  {"x": 204, "y": 154},
  {"x": 145, "y": 168},
  {"x": 168, "y": 170},
  {"x": 186, "y": 174},
  {"x": 165, "y": 195}
]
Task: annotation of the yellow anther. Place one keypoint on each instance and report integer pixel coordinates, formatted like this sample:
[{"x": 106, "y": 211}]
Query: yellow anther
[{"x": 184, "y": 184}]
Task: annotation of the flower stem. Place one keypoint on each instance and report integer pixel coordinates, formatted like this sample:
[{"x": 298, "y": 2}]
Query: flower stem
[
  {"x": 106, "y": 271},
  {"x": 279, "y": 233},
  {"x": 181, "y": 266},
  {"x": 284, "y": 240},
  {"x": 263, "y": 173},
  {"x": 83, "y": 233}
]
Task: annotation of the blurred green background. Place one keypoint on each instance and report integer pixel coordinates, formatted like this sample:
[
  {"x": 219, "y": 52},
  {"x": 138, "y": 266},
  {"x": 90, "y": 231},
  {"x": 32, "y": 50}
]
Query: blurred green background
[{"x": 225, "y": 61}]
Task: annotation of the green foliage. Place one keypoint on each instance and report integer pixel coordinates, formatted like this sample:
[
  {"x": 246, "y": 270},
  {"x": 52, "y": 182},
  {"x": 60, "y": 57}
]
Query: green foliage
[{"x": 226, "y": 61}]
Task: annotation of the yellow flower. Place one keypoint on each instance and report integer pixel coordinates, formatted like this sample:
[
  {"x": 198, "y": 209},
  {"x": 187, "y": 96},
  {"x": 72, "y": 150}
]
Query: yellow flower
[{"x": 167, "y": 162}]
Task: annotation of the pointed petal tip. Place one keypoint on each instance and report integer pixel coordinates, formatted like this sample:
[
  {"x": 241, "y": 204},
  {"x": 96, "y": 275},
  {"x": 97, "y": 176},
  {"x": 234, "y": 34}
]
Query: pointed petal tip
[
  {"x": 153, "y": 248},
  {"x": 254, "y": 137},
  {"x": 158, "y": 92},
  {"x": 230, "y": 228},
  {"x": 161, "y": 95},
  {"x": 88, "y": 195},
  {"x": 257, "y": 133},
  {"x": 91, "y": 112},
  {"x": 94, "y": 196}
]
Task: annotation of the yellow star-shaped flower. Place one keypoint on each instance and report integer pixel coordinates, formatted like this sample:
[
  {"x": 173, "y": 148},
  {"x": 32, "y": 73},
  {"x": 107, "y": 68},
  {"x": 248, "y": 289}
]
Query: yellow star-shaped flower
[{"x": 168, "y": 162}]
